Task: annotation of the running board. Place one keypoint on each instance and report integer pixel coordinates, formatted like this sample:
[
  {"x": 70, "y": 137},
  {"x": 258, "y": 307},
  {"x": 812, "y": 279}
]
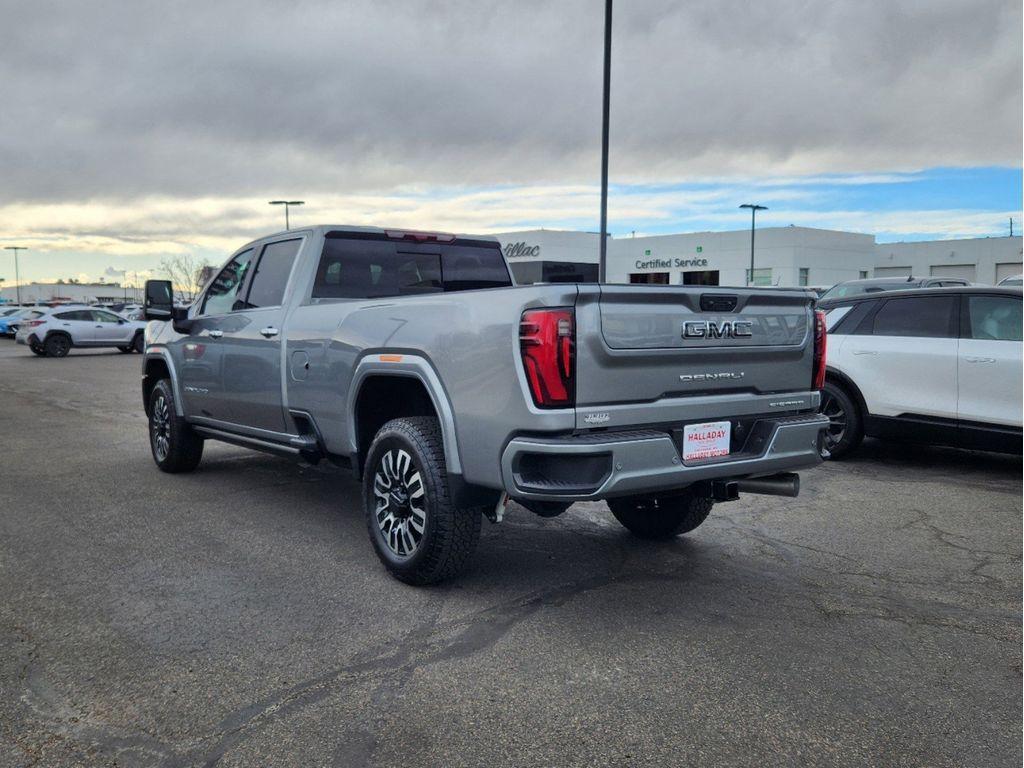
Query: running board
[{"x": 298, "y": 447}]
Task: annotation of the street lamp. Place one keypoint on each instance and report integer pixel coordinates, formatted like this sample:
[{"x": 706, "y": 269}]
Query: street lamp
[
  {"x": 753, "y": 212},
  {"x": 287, "y": 203},
  {"x": 605, "y": 111},
  {"x": 17, "y": 279}
]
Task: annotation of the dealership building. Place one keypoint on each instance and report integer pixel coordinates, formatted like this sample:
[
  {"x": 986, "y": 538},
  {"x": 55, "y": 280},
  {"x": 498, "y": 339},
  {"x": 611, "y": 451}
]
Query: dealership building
[
  {"x": 786, "y": 256},
  {"x": 31, "y": 293}
]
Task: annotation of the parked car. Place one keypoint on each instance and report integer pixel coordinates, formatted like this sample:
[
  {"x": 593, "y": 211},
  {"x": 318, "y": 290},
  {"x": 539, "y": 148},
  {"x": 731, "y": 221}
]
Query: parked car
[
  {"x": 52, "y": 332},
  {"x": 8, "y": 323},
  {"x": 878, "y": 284},
  {"x": 940, "y": 366},
  {"x": 1016, "y": 280},
  {"x": 413, "y": 359}
]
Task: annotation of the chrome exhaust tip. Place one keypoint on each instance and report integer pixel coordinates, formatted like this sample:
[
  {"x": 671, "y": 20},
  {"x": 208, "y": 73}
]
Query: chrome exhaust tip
[{"x": 782, "y": 484}]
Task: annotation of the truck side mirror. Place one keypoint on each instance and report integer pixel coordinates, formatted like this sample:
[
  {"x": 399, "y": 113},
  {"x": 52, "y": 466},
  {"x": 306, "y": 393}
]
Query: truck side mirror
[{"x": 159, "y": 304}]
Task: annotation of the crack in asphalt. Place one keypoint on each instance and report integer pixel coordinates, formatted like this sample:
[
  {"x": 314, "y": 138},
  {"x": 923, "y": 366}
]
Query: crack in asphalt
[{"x": 443, "y": 642}]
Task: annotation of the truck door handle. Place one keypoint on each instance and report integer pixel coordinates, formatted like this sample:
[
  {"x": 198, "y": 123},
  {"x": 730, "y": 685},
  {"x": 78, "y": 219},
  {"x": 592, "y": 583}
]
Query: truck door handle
[
  {"x": 864, "y": 352},
  {"x": 981, "y": 359},
  {"x": 216, "y": 334},
  {"x": 269, "y": 331}
]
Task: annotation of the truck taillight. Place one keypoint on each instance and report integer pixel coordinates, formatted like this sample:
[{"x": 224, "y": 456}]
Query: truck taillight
[
  {"x": 547, "y": 345},
  {"x": 820, "y": 345}
]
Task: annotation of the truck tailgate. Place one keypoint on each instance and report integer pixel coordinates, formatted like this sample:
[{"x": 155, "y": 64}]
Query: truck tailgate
[{"x": 672, "y": 345}]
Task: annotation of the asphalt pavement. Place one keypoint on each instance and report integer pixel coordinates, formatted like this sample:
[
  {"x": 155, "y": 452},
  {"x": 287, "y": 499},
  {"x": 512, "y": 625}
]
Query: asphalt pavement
[{"x": 237, "y": 616}]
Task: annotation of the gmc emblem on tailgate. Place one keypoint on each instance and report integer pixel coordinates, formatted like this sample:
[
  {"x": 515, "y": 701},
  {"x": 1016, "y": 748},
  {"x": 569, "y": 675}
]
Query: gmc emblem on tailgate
[{"x": 708, "y": 329}]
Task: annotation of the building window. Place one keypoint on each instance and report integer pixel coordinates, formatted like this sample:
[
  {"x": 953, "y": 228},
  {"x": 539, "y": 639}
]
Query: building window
[
  {"x": 761, "y": 277},
  {"x": 805, "y": 276},
  {"x": 649, "y": 278},
  {"x": 863, "y": 274}
]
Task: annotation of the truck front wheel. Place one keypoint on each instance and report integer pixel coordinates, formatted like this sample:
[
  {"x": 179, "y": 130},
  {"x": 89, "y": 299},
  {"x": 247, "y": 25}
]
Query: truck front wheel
[
  {"x": 416, "y": 530},
  {"x": 661, "y": 517},
  {"x": 175, "y": 446}
]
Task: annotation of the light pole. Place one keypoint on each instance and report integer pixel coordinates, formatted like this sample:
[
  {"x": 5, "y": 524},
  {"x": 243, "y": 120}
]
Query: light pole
[
  {"x": 17, "y": 278},
  {"x": 753, "y": 213},
  {"x": 287, "y": 203},
  {"x": 605, "y": 113}
]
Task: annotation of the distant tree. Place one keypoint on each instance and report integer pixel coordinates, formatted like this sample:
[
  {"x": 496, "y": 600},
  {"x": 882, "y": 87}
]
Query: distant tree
[{"x": 186, "y": 273}]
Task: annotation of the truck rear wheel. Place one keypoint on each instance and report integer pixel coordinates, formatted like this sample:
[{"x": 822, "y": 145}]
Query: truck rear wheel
[
  {"x": 418, "y": 534},
  {"x": 661, "y": 517}
]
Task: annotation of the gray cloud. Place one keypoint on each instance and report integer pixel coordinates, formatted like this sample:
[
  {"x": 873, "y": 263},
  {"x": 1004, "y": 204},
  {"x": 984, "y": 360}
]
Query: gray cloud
[{"x": 113, "y": 100}]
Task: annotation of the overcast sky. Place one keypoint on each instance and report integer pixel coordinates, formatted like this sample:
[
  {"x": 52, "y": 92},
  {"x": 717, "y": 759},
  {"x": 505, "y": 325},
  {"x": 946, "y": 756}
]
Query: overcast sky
[{"x": 130, "y": 130}]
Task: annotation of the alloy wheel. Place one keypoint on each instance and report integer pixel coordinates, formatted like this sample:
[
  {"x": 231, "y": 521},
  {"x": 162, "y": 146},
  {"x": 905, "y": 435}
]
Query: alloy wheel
[
  {"x": 161, "y": 428},
  {"x": 837, "y": 416},
  {"x": 400, "y": 497}
]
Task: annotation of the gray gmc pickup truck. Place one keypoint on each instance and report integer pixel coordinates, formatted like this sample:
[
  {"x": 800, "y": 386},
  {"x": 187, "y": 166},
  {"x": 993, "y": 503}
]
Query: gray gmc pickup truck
[{"x": 413, "y": 359}]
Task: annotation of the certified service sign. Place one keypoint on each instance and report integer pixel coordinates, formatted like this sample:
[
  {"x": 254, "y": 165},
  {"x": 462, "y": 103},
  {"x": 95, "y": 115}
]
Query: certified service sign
[{"x": 705, "y": 441}]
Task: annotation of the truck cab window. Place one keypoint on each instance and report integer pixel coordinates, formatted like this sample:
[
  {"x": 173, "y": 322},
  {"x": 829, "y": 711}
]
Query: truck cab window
[
  {"x": 363, "y": 269},
  {"x": 372, "y": 268},
  {"x": 271, "y": 275},
  {"x": 221, "y": 295}
]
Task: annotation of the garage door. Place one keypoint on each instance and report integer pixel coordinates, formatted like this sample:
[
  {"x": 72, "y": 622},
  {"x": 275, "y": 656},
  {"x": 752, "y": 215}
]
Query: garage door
[
  {"x": 1008, "y": 269},
  {"x": 892, "y": 271},
  {"x": 965, "y": 271}
]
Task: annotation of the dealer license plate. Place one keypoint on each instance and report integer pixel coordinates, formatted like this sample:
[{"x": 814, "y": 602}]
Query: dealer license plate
[{"x": 706, "y": 441}]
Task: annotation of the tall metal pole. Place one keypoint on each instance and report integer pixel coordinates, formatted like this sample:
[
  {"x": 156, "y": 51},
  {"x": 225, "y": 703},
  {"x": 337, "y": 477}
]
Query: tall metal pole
[
  {"x": 17, "y": 278},
  {"x": 602, "y": 267},
  {"x": 753, "y": 213}
]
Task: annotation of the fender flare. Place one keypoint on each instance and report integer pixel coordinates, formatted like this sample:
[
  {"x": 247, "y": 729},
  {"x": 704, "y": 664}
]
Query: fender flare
[
  {"x": 159, "y": 352},
  {"x": 413, "y": 366}
]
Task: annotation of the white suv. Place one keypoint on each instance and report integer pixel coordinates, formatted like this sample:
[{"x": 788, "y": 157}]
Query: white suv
[
  {"x": 52, "y": 332},
  {"x": 939, "y": 366}
]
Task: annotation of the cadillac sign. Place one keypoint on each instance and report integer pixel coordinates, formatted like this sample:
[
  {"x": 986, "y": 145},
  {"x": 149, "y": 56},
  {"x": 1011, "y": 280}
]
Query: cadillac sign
[{"x": 521, "y": 250}]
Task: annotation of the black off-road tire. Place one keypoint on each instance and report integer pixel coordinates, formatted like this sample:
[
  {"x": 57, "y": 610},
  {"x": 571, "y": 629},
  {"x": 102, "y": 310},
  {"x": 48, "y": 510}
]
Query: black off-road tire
[
  {"x": 37, "y": 350},
  {"x": 846, "y": 425},
  {"x": 661, "y": 517},
  {"x": 183, "y": 448},
  {"x": 138, "y": 343},
  {"x": 449, "y": 534},
  {"x": 57, "y": 345}
]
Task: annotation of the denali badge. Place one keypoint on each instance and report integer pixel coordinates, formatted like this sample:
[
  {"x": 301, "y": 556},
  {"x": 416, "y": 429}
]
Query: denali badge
[
  {"x": 711, "y": 376},
  {"x": 708, "y": 329},
  {"x": 596, "y": 418}
]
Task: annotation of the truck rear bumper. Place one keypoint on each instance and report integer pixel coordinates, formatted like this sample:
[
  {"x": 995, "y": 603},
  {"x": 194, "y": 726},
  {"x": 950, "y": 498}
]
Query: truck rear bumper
[{"x": 602, "y": 464}]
